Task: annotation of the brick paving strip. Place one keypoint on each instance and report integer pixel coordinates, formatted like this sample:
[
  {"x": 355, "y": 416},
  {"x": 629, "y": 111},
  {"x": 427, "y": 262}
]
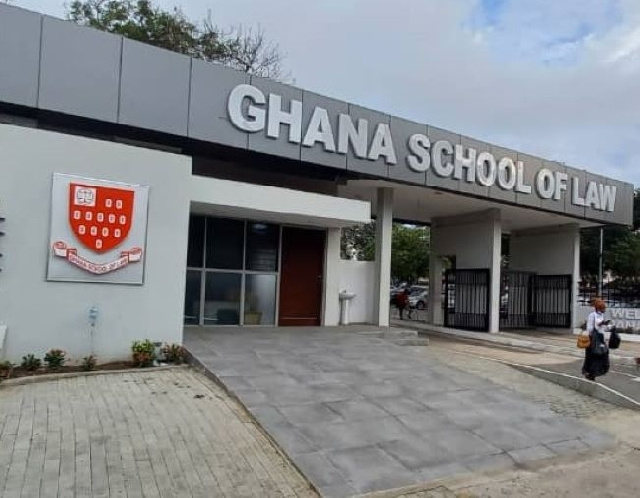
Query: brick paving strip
[{"x": 136, "y": 434}]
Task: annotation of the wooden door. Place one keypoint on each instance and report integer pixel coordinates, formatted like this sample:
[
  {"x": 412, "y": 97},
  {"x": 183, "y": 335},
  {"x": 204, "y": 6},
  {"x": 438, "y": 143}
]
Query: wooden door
[{"x": 301, "y": 276}]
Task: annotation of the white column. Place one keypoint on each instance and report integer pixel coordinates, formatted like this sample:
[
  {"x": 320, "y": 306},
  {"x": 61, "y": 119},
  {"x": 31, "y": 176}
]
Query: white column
[
  {"x": 331, "y": 302},
  {"x": 384, "y": 222},
  {"x": 435, "y": 315},
  {"x": 576, "y": 277},
  {"x": 495, "y": 273}
]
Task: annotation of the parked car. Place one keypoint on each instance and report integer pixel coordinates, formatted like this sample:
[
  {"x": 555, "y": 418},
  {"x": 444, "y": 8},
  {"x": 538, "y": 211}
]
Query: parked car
[{"x": 418, "y": 295}]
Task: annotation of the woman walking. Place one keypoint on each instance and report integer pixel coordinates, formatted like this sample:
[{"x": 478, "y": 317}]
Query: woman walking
[{"x": 596, "y": 356}]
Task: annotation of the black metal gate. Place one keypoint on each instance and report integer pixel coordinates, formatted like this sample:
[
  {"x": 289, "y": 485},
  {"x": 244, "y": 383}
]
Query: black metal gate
[
  {"x": 528, "y": 300},
  {"x": 466, "y": 299},
  {"x": 516, "y": 300},
  {"x": 552, "y": 301}
]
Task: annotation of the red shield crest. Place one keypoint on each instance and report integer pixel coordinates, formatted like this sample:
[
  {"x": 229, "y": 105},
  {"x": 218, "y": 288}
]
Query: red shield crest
[{"x": 100, "y": 217}]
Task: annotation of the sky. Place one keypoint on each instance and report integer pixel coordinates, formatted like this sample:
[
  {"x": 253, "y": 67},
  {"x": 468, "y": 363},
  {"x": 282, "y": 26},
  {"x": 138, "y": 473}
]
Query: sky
[{"x": 555, "y": 78}]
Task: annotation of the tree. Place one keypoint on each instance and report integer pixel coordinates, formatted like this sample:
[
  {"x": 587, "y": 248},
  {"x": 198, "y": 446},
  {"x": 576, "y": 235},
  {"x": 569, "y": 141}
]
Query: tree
[
  {"x": 617, "y": 242},
  {"x": 409, "y": 248},
  {"x": 140, "y": 20},
  {"x": 624, "y": 257},
  {"x": 409, "y": 252},
  {"x": 359, "y": 242}
]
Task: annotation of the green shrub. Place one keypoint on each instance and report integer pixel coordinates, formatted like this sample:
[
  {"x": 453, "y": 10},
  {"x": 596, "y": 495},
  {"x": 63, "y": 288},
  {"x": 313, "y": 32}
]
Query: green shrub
[
  {"x": 30, "y": 363},
  {"x": 55, "y": 359},
  {"x": 143, "y": 353},
  {"x": 88, "y": 363},
  {"x": 174, "y": 353},
  {"x": 6, "y": 369}
]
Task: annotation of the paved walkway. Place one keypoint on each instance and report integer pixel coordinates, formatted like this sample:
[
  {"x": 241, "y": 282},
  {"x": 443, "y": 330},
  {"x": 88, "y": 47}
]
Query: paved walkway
[
  {"x": 154, "y": 434},
  {"x": 561, "y": 363},
  {"x": 357, "y": 413}
]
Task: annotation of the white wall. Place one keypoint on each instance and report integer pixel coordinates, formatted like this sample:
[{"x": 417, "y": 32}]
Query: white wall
[
  {"x": 359, "y": 277},
  {"x": 41, "y": 315},
  {"x": 475, "y": 241},
  {"x": 546, "y": 251},
  {"x": 549, "y": 251},
  {"x": 330, "y": 301}
]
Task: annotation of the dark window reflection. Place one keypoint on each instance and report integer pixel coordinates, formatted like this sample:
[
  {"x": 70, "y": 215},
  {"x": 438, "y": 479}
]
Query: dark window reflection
[
  {"x": 262, "y": 247},
  {"x": 225, "y": 240},
  {"x": 196, "y": 242}
]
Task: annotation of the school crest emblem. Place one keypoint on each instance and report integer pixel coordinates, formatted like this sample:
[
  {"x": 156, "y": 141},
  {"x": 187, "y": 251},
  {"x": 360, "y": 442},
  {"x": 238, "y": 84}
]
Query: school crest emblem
[{"x": 100, "y": 216}]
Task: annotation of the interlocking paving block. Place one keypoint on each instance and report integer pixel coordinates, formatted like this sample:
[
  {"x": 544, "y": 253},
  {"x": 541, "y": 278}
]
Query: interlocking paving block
[
  {"x": 357, "y": 409},
  {"x": 527, "y": 455},
  {"x": 506, "y": 438},
  {"x": 370, "y": 468},
  {"x": 568, "y": 447},
  {"x": 399, "y": 405},
  {"x": 312, "y": 413},
  {"x": 418, "y": 453}
]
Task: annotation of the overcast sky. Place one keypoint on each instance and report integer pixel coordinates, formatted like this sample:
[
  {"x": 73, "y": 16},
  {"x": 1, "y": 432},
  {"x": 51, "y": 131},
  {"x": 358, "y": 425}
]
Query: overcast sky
[{"x": 555, "y": 78}]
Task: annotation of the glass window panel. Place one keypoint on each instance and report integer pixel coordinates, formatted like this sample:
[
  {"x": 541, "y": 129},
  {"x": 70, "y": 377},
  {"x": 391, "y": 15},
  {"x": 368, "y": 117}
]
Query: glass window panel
[
  {"x": 196, "y": 242},
  {"x": 192, "y": 298},
  {"x": 225, "y": 241},
  {"x": 260, "y": 300},
  {"x": 222, "y": 298},
  {"x": 262, "y": 247}
]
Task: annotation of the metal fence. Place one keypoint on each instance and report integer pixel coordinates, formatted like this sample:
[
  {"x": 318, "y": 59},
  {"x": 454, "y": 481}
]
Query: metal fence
[{"x": 623, "y": 292}]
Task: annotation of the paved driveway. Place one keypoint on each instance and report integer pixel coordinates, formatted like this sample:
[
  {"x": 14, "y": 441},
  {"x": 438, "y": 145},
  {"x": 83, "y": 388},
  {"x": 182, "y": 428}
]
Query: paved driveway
[{"x": 357, "y": 413}]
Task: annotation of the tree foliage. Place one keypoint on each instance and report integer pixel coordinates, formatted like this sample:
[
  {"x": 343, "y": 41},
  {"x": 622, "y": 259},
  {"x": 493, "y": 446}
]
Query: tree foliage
[
  {"x": 409, "y": 248},
  {"x": 246, "y": 49},
  {"x": 621, "y": 247},
  {"x": 409, "y": 252}
]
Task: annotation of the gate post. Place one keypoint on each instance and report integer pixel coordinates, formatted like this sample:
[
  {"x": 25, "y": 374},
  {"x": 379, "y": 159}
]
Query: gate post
[
  {"x": 435, "y": 315},
  {"x": 495, "y": 276},
  {"x": 384, "y": 222}
]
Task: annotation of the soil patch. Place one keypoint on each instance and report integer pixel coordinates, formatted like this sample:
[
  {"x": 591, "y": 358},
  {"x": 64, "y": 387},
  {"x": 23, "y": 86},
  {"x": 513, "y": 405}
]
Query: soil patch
[{"x": 18, "y": 371}]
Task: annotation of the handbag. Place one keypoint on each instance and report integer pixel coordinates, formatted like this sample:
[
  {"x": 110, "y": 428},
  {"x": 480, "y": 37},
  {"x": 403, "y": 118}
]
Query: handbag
[
  {"x": 614, "y": 339},
  {"x": 584, "y": 341}
]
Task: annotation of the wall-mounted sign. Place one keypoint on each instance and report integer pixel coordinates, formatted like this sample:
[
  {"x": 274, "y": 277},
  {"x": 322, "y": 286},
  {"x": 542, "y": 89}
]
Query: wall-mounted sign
[
  {"x": 251, "y": 111},
  {"x": 98, "y": 230}
]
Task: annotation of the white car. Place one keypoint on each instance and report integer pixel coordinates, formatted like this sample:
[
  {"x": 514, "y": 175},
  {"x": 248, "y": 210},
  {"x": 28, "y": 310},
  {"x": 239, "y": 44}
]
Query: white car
[{"x": 418, "y": 295}]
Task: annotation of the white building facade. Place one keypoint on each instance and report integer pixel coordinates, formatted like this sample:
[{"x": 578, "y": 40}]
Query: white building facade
[{"x": 143, "y": 191}]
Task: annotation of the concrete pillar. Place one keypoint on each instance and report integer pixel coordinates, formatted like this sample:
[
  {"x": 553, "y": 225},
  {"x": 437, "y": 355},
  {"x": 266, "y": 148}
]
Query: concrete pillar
[
  {"x": 435, "y": 315},
  {"x": 384, "y": 222},
  {"x": 551, "y": 250},
  {"x": 495, "y": 237},
  {"x": 475, "y": 240},
  {"x": 331, "y": 302}
]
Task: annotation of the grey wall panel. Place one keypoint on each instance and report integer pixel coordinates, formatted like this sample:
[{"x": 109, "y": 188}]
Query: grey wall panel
[
  {"x": 402, "y": 130},
  {"x": 553, "y": 204},
  {"x": 623, "y": 213},
  {"x": 433, "y": 180},
  {"x": 317, "y": 154},
  {"x": 354, "y": 163},
  {"x": 495, "y": 191},
  {"x": 19, "y": 55},
  {"x": 531, "y": 166},
  {"x": 474, "y": 188},
  {"x": 154, "y": 88},
  {"x": 260, "y": 142},
  {"x": 569, "y": 207},
  {"x": 79, "y": 70},
  {"x": 208, "y": 116},
  {"x": 590, "y": 212}
]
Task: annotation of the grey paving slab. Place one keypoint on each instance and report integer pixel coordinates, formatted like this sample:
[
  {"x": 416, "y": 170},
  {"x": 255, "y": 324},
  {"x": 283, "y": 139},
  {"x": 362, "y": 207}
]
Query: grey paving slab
[{"x": 360, "y": 413}]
